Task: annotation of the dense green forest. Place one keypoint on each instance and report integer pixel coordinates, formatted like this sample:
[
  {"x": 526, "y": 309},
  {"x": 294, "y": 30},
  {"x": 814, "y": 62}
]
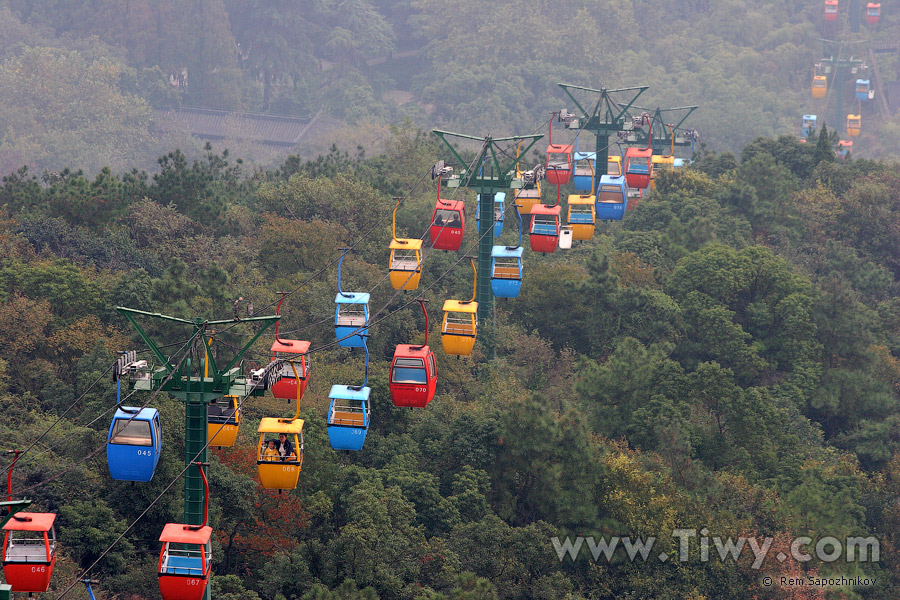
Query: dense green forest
[
  {"x": 79, "y": 80},
  {"x": 727, "y": 358}
]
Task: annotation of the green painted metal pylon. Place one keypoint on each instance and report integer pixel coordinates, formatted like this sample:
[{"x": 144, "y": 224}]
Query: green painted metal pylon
[
  {"x": 196, "y": 391},
  {"x": 493, "y": 170},
  {"x": 606, "y": 118}
]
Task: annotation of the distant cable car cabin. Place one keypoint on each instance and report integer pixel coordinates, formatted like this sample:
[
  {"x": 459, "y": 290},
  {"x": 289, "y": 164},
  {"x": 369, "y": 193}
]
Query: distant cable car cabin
[
  {"x": 351, "y": 315},
  {"x": 506, "y": 267},
  {"x": 405, "y": 261},
  {"x": 614, "y": 166},
  {"x": 583, "y": 177},
  {"x": 544, "y": 232},
  {"x": 844, "y": 148},
  {"x": 460, "y": 325},
  {"x": 506, "y": 271},
  {"x": 499, "y": 200},
  {"x": 873, "y": 12},
  {"x": 678, "y": 163},
  {"x": 634, "y": 198},
  {"x": 134, "y": 444},
  {"x": 819, "y": 86},
  {"x": 660, "y": 164},
  {"x": 413, "y": 375},
  {"x": 808, "y": 124},
  {"x": 530, "y": 194},
  {"x": 853, "y": 125},
  {"x": 185, "y": 560},
  {"x": 831, "y": 9},
  {"x": 29, "y": 551},
  {"x": 612, "y": 198},
  {"x": 862, "y": 89},
  {"x": 448, "y": 223},
  {"x": 559, "y": 159},
  {"x": 223, "y": 422}
]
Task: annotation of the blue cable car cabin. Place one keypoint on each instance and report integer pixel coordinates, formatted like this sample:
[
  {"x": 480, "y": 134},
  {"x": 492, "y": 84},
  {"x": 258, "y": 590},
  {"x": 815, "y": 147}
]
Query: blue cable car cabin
[
  {"x": 133, "y": 444},
  {"x": 348, "y": 416},
  {"x": 351, "y": 317},
  {"x": 506, "y": 271},
  {"x": 585, "y": 166},
  {"x": 809, "y": 124},
  {"x": 862, "y": 89},
  {"x": 499, "y": 199},
  {"x": 612, "y": 198}
]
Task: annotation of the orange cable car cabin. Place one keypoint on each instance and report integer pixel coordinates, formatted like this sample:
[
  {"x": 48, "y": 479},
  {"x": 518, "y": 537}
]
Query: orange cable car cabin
[
  {"x": 582, "y": 216},
  {"x": 29, "y": 551},
  {"x": 613, "y": 166},
  {"x": 405, "y": 261}
]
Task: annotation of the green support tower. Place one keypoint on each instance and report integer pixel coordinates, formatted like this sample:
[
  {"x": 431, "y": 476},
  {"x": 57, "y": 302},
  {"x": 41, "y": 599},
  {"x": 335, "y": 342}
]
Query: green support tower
[
  {"x": 196, "y": 391},
  {"x": 493, "y": 170},
  {"x": 666, "y": 137},
  {"x": 606, "y": 118}
]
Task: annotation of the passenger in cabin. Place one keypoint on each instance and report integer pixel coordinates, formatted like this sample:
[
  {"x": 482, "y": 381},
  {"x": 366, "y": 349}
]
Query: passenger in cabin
[
  {"x": 455, "y": 221},
  {"x": 285, "y": 448},
  {"x": 271, "y": 453},
  {"x": 439, "y": 220}
]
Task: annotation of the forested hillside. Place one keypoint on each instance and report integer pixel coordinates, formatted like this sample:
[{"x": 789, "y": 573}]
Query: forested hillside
[
  {"x": 727, "y": 358},
  {"x": 80, "y": 81}
]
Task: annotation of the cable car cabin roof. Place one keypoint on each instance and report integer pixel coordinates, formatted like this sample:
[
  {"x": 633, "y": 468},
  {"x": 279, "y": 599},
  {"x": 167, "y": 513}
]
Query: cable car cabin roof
[
  {"x": 845, "y": 143},
  {"x": 144, "y": 414},
  {"x": 638, "y": 153},
  {"x": 679, "y": 162},
  {"x": 296, "y": 346},
  {"x": 352, "y": 297},
  {"x": 460, "y": 306},
  {"x": 585, "y": 156},
  {"x": 810, "y": 118},
  {"x": 274, "y": 425},
  {"x": 507, "y": 251},
  {"x": 412, "y": 350},
  {"x": 543, "y": 209},
  {"x": 345, "y": 392},
  {"x": 35, "y": 522},
  {"x": 582, "y": 200},
  {"x": 559, "y": 149},
  {"x": 450, "y": 204},
  {"x": 179, "y": 533},
  {"x": 406, "y": 244}
]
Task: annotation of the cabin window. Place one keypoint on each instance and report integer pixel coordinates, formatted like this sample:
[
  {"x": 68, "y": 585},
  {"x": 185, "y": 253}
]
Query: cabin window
[
  {"x": 409, "y": 370},
  {"x": 131, "y": 433}
]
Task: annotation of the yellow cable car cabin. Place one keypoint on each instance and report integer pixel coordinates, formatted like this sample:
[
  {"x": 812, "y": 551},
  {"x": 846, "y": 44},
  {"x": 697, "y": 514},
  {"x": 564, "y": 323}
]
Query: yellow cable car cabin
[
  {"x": 459, "y": 327},
  {"x": 614, "y": 166},
  {"x": 660, "y": 163},
  {"x": 819, "y": 86},
  {"x": 224, "y": 420},
  {"x": 582, "y": 216},
  {"x": 405, "y": 263},
  {"x": 278, "y": 461},
  {"x": 854, "y": 123}
]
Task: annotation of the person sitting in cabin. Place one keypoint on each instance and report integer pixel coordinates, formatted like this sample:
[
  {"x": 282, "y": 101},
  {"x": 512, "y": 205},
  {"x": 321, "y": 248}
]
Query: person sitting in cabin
[
  {"x": 455, "y": 221},
  {"x": 439, "y": 220},
  {"x": 271, "y": 453},
  {"x": 285, "y": 448}
]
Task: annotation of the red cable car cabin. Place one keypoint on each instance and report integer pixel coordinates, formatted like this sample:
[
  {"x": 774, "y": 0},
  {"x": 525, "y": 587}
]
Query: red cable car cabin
[
  {"x": 29, "y": 551},
  {"x": 544, "y": 227},
  {"x": 184, "y": 562},
  {"x": 831, "y": 9},
  {"x": 448, "y": 223},
  {"x": 286, "y": 387},
  {"x": 873, "y": 11},
  {"x": 638, "y": 167},
  {"x": 413, "y": 376},
  {"x": 559, "y": 163}
]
